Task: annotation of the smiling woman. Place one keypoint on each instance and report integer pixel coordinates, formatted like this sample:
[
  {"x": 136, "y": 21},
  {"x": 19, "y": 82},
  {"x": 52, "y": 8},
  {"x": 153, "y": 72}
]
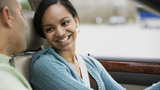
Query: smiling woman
[
  {"x": 61, "y": 33},
  {"x": 57, "y": 21},
  {"x": 128, "y": 52}
]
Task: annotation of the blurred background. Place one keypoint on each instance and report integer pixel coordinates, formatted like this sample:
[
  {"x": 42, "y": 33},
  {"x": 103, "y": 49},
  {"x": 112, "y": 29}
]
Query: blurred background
[
  {"x": 117, "y": 28},
  {"x": 113, "y": 12},
  {"x": 100, "y": 11}
]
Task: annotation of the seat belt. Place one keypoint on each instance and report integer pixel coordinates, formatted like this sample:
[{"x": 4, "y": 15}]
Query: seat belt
[{"x": 83, "y": 69}]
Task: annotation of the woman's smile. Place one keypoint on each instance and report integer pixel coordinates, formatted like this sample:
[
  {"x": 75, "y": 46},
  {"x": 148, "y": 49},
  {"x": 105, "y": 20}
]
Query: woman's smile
[
  {"x": 64, "y": 41},
  {"x": 60, "y": 31}
]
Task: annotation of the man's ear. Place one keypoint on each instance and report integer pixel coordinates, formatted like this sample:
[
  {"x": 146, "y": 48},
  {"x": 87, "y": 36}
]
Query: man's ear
[{"x": 7, "y": 17}]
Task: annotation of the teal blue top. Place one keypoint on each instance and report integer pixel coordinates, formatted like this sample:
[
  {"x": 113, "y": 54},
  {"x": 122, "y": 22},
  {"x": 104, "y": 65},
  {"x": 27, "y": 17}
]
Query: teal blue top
[
  {"x": 49, "y": 71},
  {"x": 155, "y": 86}
]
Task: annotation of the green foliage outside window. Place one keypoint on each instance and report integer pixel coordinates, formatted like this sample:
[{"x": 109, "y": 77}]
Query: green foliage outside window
[{"x": 24, "y": 4}]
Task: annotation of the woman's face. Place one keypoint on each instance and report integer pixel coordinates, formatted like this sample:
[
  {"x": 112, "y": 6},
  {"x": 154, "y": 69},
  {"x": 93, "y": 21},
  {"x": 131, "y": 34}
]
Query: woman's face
[{"x": 59, "y": 27}]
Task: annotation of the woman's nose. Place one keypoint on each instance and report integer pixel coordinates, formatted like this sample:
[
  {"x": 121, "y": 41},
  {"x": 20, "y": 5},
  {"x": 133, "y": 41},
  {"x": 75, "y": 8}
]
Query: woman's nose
[{"x": 59, "y": 32}]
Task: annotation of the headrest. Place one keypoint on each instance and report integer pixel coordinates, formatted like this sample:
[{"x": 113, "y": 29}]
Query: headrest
[{"x": 34, "y": 41}]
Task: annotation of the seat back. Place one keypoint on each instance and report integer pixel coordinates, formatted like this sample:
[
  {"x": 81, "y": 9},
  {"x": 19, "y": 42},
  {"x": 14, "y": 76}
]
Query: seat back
[
  {"x": 23, "y": 65},
  {"x": 34, "y": 42}
]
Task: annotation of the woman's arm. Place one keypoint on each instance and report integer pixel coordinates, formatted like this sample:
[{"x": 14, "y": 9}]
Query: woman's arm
[
  {"x": 53, "y": 75},
  {"x": 155, "y": 86}
]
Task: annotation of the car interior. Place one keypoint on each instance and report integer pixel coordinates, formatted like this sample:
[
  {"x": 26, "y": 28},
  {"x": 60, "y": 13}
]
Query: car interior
[
  {"x": 34, "y": 42},
  {"x": 131, "y": 73}
]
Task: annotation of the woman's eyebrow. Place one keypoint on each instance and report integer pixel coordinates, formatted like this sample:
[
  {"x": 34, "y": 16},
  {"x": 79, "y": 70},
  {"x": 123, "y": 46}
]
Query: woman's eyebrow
[
  {"x": 47, "y": 25},
  {"x": 52, "y": 25},
  {"x": 63, "y": 19}
]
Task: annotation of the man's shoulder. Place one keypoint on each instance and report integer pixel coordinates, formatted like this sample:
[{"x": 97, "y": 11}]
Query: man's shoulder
[
  {"x": 11, "y": 79},
  {"x": 6, "y": 67},
  {"x": 9, "y": 71}
]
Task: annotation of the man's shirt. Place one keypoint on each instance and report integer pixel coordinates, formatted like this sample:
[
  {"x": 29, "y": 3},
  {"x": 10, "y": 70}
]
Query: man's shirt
[{"x": 10, "y": 78}]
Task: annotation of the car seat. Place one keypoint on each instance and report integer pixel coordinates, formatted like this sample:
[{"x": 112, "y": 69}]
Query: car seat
[{"x": 34, "y": 42}]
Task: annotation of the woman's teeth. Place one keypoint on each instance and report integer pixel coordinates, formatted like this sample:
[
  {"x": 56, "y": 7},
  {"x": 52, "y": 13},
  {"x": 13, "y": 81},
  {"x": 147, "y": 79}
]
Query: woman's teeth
[{"x": 63, "y": 40}]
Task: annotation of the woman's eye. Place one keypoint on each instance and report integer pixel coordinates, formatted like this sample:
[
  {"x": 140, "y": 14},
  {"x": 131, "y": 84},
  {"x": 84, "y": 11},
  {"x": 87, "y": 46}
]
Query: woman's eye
[
  {"x": 65, "y": 23},
  {"x": 49, "y": 29}
]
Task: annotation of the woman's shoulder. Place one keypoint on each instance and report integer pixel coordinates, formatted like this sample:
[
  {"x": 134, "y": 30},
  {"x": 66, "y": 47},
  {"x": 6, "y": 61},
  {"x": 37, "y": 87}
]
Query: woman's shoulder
[
  {"x": 42, "y": 52},
  {"x": 93, "y": 64},
  {"x": 42, "y": 56},
  {"x": 46, "y": 53},
  {"x": 91, "y": 61}
]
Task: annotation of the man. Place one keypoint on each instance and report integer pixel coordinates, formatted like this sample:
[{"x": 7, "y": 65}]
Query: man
[{"x": 13, "y": 31}]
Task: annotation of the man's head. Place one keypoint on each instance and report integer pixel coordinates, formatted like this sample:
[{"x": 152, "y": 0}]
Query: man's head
[{"x": 13, "y": 28}]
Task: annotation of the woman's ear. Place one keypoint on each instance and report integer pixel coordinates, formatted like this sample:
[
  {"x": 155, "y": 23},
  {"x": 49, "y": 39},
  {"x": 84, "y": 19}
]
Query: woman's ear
[
  {"x": 7, "y": 17},
  {"x": 76, "y": 21}
]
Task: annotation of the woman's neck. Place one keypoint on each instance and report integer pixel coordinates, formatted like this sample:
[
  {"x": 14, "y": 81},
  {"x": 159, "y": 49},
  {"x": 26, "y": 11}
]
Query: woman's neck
[{"x": 69, "y": 55}]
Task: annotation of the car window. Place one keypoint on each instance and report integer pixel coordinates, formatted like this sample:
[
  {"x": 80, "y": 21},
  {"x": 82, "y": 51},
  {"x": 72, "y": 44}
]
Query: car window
[
  {"x": 24, "y": 4},
  {"x": 117, "y": 29}
]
